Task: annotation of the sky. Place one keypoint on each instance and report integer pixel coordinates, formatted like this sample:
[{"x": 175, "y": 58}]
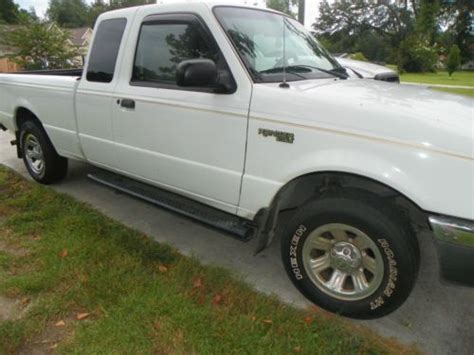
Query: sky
[{"x": 311, "y": 6}]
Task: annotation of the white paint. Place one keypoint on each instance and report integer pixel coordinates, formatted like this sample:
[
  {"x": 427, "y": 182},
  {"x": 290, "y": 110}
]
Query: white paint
[{"x": 417, "y": 141}]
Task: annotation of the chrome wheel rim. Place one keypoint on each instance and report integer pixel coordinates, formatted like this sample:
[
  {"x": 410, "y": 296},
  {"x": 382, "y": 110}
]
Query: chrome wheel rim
[
  {"x": 34, "y": 155},
  {"x": 343, "y": 262}
]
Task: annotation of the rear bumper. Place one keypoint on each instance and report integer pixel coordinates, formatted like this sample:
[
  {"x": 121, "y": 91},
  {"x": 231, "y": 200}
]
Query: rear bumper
[{"x": 455, "y": 244}]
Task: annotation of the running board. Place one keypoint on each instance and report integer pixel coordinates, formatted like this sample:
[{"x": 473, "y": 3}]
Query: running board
[{"x": 238, "y": 227}]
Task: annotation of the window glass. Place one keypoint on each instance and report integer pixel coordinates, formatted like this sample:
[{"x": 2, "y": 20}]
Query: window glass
[
  {"x": 162, "y": 46},
  {"x": 270, "y": 44},
  {"x": 105, "y": 50}
]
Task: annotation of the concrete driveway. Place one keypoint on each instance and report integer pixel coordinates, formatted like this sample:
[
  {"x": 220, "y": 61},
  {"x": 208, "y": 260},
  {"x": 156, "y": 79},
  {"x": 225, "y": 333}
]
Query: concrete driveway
[{"x": 438, "y": 317}]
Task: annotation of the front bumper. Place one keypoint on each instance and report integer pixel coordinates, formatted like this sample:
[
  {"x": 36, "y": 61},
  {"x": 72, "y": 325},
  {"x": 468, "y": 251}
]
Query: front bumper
[{"x": 455, "y": 243}]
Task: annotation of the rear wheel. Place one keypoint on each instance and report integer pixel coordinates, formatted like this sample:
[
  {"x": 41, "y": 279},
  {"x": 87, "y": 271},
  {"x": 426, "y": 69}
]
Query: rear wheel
[
  {"x": 352, "y": 254},
  {"x": 39, "y": 155}
]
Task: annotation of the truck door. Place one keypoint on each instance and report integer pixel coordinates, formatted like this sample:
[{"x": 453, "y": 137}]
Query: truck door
[
  {"x": 191, "y": 140},
  {"x": 94, "y": 94}
]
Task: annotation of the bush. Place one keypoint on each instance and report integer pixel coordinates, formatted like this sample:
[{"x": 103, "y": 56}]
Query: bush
[
  {"x": 454, "y": 59},
  {"x": 416, "y": 56},
  {"x": 359, "y": 56}
]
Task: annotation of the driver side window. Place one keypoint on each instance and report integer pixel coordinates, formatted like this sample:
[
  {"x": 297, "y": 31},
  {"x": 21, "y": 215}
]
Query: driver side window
[{"x": 163, "y": 44}]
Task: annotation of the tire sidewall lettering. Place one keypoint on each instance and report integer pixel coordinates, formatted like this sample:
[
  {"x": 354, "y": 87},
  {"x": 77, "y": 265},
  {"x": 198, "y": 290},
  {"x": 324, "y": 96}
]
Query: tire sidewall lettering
[
  {"x": 293, "y": 251},
  {"x": 392, "y": 273}
]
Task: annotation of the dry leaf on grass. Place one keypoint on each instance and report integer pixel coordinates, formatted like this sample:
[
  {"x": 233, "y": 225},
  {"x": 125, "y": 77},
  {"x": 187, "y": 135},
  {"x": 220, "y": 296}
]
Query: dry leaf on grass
[
  {"x": 217, "y": 299},
  {"x": 24, "y": 301},
  {"x": 81, "y": 316},
  {"x": 162, "y": 268},
  {"x": 61, "y": 323},
  {"x": 308, "y": 320},
  {"x": 267, "y": 321},
  {"x": 63, "y": 253},
  {"x": 197, "y": 283}
]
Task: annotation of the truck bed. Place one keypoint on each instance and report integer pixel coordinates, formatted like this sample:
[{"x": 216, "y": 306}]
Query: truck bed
[{"x": 50, "y": 95}]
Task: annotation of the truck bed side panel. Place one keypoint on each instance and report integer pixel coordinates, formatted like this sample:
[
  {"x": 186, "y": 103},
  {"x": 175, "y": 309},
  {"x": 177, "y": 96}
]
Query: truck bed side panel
[{"x": 51, "y": 99}]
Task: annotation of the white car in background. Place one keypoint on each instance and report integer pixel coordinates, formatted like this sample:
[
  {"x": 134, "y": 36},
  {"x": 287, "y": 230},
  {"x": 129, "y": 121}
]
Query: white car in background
[{"x": 366, "y": 70}]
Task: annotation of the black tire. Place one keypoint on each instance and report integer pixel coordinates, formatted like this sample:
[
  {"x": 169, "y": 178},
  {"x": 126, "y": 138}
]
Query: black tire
[
  {"x": 54, "y": 167},
  {"x": 390, "y": 233}
]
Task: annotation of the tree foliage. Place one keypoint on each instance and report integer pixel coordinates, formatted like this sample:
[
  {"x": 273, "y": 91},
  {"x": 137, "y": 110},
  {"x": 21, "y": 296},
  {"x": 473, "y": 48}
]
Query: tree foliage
[
  {"x": 284, "y": 6},
  {"x": 68, "y": 13},
  {"x": 416, "y": 55},
  {"x": 41, "y": 45},
  {"x": 379, "y": 29},
  {"x": 454, "y": 59},
  {"x": 8, "y": 11},
  {"x": 77, "y": 13},
  {"x": 373, "y": 28}
]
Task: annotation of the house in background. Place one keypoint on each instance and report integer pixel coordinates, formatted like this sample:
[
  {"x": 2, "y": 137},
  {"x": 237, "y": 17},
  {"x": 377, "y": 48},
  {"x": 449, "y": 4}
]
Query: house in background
[
  {"x": 80, "y": 38},
  {"x": 6, "y": 64}
]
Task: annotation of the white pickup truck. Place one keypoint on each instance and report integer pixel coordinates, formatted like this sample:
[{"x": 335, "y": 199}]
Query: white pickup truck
[{"x": 236, "y": 116}]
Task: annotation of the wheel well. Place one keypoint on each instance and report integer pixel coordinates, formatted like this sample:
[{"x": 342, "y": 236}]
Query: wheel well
[
  {"x": 22, "y": 115},
  {"x": 308, "y": 187}
]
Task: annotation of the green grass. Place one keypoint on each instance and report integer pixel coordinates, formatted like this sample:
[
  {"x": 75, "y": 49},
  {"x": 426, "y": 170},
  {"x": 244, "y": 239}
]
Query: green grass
[
  {"x": 464, "y": 92},
  {"x": 143, "y": 297},
  {"x": 463, "y": 78}
]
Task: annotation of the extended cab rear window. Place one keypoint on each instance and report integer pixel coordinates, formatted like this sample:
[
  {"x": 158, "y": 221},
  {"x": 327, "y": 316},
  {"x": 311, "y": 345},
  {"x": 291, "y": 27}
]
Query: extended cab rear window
[{"x": 105, "y": 50}]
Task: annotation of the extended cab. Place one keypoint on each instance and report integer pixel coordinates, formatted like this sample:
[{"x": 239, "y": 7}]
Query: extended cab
[{"x": 237, "y": 116}]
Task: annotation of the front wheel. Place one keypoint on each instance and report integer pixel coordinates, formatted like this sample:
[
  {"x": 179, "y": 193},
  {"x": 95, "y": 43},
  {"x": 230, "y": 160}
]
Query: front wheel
[{"x": 351, "y": 254}]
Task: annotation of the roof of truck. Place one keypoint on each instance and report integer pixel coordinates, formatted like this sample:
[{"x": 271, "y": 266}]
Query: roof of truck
[{"x": 189, "y": 5}]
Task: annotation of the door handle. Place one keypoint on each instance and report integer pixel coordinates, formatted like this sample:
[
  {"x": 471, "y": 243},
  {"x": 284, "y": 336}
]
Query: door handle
[{"x": 127, "y": 103}]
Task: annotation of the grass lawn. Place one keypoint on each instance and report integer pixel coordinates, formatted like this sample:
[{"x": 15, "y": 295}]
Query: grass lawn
[
  {"x": 82, "y": 283},
  {"x": 464, "y": 78},
  {"x": 465, "y": 92}
]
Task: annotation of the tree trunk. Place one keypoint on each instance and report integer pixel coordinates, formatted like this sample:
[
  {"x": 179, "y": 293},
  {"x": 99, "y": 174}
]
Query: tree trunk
[{"x": 301, "y": 11}]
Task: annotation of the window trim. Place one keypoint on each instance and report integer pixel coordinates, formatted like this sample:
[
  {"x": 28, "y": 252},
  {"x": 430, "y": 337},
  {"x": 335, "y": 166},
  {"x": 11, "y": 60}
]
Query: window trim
[
  {"x": 118, "y": 51},
  {"x": 178, "y": 18}
]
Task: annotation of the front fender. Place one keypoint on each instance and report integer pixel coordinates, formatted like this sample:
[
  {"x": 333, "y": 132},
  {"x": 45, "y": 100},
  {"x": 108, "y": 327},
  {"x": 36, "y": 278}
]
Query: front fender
[{"x": 436, "y": 182}]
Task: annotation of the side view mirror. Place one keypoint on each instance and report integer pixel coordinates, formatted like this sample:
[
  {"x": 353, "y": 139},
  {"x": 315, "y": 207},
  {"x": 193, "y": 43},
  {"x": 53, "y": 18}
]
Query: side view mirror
[{"x": 196, "y": 73}]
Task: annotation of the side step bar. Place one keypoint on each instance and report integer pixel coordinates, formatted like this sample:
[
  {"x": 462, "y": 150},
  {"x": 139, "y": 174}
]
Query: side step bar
[{"x": 238, "y": 227}]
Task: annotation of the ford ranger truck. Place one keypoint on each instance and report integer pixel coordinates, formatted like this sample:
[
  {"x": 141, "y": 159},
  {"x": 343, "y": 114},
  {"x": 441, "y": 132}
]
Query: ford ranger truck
[{"x": 237, "y": 116}]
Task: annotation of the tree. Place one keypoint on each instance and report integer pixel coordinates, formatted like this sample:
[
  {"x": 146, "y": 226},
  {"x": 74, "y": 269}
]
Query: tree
[
  {"x": 427, "y": 23},
  {"x": 454, "y": 59},
  {"x": 457, "y": 17},
  {"x": 8, "y": 11},
  {"x": 97, "y": 8},
  {"x": 301, "y": 10},
  {"x": 68, "y": 13},
  {"x": 284, "y": 6},
  {"x": 118, "y": 4},
  {"x": 374, "y": 28},
  {"x": 40, "y": 45},
  {"x": 416, "y": 55}
]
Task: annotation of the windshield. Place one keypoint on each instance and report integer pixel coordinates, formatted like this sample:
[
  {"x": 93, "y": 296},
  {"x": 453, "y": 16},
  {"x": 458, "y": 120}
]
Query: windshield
[{"x": 261, "y": 36}]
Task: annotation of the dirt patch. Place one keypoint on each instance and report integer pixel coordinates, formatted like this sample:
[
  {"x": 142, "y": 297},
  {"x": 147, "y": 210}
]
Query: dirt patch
[
  {"x": 15, "y": 251},
  {"x": 51, "y": 337},
  {"x": 11, "y": 308}
]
